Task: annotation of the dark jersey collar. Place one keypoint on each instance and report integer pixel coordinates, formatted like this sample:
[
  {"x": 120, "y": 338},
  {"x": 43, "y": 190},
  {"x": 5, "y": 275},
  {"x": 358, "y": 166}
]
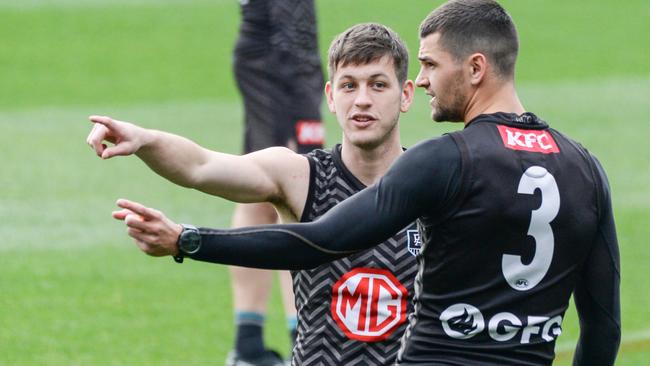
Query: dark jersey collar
[
  {"x": 347, "y": 174},
  {"x": 526, "y": 120}
]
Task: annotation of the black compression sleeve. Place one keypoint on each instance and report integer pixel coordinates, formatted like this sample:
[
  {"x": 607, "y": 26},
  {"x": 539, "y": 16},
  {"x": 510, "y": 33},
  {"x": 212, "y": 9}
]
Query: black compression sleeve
[
  {"x": 421, "y": 182},
  {"x": 597, "y": 292}
]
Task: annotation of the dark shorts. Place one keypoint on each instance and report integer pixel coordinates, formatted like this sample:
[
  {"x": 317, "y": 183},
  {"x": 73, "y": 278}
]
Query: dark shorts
[{"x": 281, "y": 105}]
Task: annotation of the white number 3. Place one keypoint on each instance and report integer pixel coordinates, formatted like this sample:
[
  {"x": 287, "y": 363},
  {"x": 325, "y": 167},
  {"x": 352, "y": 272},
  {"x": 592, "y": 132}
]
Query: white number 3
[{"x": 523, "y": 277}]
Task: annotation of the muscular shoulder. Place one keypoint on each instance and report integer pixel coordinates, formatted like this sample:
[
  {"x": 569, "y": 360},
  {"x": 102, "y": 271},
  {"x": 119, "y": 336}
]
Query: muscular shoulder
[
  {"x": 427, "y": 174},
  {"x": 280, "y": 160},
  {"x": 434, "y": 150},
  {"x": 286, "y": 170},
  {"x": 434, "y": 158}
]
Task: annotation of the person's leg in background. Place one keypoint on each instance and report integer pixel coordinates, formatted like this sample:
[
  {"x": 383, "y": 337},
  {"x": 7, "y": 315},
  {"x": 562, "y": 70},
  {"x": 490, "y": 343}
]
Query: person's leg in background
[
  {"x": 267, "y": 123},
  {"x": 251, "y": 291},
  {"x": 279, "y": 75}
]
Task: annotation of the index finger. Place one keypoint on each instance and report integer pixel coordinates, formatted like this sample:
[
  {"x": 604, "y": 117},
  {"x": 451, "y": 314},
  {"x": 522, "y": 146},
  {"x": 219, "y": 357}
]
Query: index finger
[
  {"x": 138, "y": 208},
  {"x": 121, "y": 214},
  {"x": 104, "y": 120},
  {"x": 95, "y": 138}
]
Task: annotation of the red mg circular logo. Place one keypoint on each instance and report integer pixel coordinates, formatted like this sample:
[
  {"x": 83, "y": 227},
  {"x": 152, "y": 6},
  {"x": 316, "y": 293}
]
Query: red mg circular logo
[{"x": 368, "y": 304}]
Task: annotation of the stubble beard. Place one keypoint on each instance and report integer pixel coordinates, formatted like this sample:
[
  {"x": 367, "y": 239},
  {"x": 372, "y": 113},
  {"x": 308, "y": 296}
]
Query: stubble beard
[
  {"x": 453, "y": 110},
  {"x": 375, "y": 141}
]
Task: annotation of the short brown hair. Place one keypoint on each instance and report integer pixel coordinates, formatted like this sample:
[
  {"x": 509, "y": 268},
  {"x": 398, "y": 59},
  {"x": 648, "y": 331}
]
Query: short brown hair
[
  {"x": 366, "y": 43},
  {"x": 468, "y": 26}
]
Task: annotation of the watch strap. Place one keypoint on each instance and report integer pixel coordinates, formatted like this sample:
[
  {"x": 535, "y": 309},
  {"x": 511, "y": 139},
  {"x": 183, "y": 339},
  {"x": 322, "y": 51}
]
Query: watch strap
[{"x": 178, "y": 258}]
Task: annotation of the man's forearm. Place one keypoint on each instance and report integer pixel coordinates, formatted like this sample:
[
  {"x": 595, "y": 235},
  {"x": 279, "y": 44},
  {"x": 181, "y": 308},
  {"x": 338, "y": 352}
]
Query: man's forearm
[
  {"x": 598, "y": 344},
  {"x": 279, "y": 249},
  {"x": 247, "y": 178},
  {"x": 250, "y": 178},
  {"x": 172, "y": 157}
]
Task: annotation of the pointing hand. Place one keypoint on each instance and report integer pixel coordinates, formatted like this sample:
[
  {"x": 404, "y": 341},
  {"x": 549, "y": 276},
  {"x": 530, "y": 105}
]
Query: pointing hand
[
  {"x": 152, "y": 231},
  {"x": 125, "y": 136}
]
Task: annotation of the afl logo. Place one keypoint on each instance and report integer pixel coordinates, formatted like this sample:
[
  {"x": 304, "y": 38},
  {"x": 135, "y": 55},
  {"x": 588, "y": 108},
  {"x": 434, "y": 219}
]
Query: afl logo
[{"x": 368, "y": 304}]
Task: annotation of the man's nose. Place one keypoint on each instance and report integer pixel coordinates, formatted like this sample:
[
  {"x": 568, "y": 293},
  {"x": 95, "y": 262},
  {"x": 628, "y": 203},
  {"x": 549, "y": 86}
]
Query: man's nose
[
  {"x": 363, "y": 98},
  {"x": 421, "y": 81}
]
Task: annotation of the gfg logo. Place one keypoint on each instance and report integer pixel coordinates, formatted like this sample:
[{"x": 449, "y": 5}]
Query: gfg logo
[
  {"x": 368, "y": 304},
  {"x": 464, "y": 321}
]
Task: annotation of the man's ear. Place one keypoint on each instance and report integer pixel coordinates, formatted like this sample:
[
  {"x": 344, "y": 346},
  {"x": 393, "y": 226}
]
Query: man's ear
[
  {"x": 477, "y": 66},
  {"x": 408, "y": 90},
  {"x": 330, "y": 97}
]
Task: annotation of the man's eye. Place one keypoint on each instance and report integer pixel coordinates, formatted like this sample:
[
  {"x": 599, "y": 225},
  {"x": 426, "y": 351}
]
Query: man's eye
[
  {"x": 347, "y": 86},
  {"x": 380, "y": 85}
]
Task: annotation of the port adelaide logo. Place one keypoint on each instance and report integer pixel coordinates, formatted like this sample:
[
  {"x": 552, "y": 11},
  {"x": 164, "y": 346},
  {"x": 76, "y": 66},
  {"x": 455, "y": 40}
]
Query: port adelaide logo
[
  {"x": 369, "y": 304},
  {"x": 414, "y": 244}
]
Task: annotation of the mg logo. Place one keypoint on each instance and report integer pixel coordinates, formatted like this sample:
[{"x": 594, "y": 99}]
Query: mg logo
[{"x": 368, "y": 304}]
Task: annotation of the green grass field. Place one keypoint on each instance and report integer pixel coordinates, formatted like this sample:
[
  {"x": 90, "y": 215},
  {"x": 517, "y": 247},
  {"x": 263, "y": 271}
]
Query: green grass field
[{"x": 74, "y": 290}]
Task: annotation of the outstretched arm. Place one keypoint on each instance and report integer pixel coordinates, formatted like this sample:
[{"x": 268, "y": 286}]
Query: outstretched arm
[
  {"x": 423, "y": 181},
  {"x": 261, "y": 176},
  {"x": 597, "y": 294}
]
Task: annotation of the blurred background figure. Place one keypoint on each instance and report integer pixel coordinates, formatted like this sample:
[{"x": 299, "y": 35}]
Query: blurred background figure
[{"x": 278, "y": 72}]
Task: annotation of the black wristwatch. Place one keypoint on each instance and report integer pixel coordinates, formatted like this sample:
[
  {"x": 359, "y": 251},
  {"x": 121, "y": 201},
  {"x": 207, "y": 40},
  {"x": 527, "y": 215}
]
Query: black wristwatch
[{"x": 189, "y": 242}]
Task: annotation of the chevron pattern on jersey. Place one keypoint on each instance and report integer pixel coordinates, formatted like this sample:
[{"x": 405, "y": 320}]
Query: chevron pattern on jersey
[{"x": 321, "y": 341}]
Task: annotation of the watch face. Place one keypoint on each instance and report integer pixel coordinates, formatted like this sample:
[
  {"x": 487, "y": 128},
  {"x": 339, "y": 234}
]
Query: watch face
[{"x": 190, "y": 241}]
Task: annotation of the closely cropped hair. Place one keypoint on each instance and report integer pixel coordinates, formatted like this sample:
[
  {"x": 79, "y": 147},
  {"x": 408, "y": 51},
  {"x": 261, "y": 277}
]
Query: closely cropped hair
[
  {"x": 366, "y": 43},
  {"x": 469, "y": 26}
]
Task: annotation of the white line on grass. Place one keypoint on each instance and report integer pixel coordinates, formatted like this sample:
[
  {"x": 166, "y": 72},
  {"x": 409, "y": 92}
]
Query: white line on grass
[{"x": 627, "y": 338}]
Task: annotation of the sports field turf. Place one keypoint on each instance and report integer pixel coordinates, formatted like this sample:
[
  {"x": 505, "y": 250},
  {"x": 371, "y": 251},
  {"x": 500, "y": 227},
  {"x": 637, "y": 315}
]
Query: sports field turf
[{"x": 74, "y": 290}]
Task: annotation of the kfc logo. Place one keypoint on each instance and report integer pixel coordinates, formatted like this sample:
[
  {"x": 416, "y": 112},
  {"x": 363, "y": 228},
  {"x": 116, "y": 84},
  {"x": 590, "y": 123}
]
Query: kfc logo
[
  {"x": 368, "y": 304},
  {"x": 310, "y": 133},
  {"x": 528, "y": 140}
]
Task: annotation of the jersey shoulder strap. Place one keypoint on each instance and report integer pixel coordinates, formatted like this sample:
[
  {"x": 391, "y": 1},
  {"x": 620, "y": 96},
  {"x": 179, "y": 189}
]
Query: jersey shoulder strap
[{"x": 320, "y": 165}]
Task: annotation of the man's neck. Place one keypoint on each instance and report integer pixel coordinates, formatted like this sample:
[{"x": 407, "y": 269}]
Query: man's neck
[
  {"x": 499, "y": 98},
  {"x": 369, "y": 165}
]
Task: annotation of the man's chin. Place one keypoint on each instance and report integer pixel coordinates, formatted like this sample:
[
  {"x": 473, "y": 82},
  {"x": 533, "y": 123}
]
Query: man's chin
[
  {"x": 366, "y": 143},
  {"x": 437, "y": 116}
]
